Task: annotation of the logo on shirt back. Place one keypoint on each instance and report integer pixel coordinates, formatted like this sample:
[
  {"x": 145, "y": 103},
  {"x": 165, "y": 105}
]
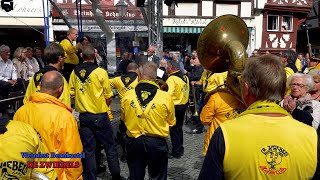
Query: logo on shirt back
[{"x": 274, "y": 156}]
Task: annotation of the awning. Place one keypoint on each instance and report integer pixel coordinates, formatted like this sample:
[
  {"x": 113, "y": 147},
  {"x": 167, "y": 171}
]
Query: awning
[{"x": 188, "y": 30}]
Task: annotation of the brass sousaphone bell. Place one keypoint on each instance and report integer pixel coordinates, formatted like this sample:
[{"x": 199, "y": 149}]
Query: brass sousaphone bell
[{"x": 222, "y": 47}]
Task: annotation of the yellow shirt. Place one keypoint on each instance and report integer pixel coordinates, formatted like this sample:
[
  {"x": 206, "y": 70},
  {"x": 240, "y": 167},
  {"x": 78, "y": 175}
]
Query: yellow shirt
[
  {"x": 70, "y": 52},
  {"x": 152, "y": 119},
  {"x": 263, "y": 147},
  {"x": 21, "y": 137},
  {"x": 124, "y": 83},
  {"x": 32, "y": 87},
  {"x": 57, "y": 127},
  {"x": 298, "y": 64},
  {"x": 211, "y": 81},
  {"x": 222, "y": 106},
  {"x": 288, "y": 71},
  {"x": 178, "y": 88},
  {"x": 91, "y": 93}
]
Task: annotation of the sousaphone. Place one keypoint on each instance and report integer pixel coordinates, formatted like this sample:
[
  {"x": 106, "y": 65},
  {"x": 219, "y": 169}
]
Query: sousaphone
[{"x": 222, "y": 47}]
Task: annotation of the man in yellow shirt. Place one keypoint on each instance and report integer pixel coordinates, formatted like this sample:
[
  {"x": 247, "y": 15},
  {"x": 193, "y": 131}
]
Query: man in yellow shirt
[
  {"x": 221, "y": 106},
  {"x": 89, "y": 85},
  {"x": 54, "y": 56},
  {"x": 178, "y": 88},
  {"x": 211, "y": 81},
  {"x": 122, "y": 84},
  {"x": 17, "y": 138},
  {"x": 55, "y": 123},
  {"x": 71, "y": 50},
  {"x": 263, "y": 142},
  {"x": 148, "y": 113}
]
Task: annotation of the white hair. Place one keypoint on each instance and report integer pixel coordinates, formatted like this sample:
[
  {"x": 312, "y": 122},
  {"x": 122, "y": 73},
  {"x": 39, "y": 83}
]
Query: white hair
[{"x": 308, "y": 80}]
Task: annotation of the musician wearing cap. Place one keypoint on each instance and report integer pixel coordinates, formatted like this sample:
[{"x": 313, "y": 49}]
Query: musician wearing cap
[
  {"x": 314, "y": 62},
  {"x": 263, "y": 142},
  {"x": 178, "y": 88},
  {"x": 148, "y": 113}
]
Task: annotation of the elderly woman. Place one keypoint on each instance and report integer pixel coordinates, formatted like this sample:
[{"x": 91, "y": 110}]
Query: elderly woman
[
  {"x": 300, "y": 103},
  {"x": 24, "y": 69},
  {"x": 315, "y": 93}
]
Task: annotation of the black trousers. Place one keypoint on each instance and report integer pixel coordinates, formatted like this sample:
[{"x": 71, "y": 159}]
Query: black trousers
[
  {"x": 176, "y": 133},
  {"x": 95, "y": 127},
  {"x": 122, "y": 137},
  {"x": 147, "y": 151},
  {"x": 67, "y": 70}
]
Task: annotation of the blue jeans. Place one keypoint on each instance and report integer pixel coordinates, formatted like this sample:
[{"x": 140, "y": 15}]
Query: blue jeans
[{"x": 98, "y": 127}]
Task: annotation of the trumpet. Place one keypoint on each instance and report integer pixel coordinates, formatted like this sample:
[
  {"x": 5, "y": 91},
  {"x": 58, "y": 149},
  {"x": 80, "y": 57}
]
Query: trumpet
[{"x": 194, "y": 102}]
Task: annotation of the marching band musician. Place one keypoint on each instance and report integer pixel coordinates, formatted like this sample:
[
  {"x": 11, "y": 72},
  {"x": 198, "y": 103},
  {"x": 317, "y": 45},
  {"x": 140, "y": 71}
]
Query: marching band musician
[
  {"x": 58, "y": 129},
  {"x": 263, "y": 142},
  {"x": 17, "y": 137},
  {"x": 90, "y": 86},
  {"x": 147, "y": 112},
  {"x": 195, "y": 75},
  {"x": 122, "y": 84},
  {"x": 178, "y": 88},
  {"x": 210, "y": 81},
  {"x": 54, "y": 56}
]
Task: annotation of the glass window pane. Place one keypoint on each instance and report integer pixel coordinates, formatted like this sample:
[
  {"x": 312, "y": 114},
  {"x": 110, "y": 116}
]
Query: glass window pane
[
  {"x": 286, "y": 23},
  {"x": 273, "y": 23}
]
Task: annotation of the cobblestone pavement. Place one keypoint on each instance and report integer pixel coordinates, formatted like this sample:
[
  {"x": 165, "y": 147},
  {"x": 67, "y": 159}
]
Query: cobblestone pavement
[{"x": 188, "y": 167}]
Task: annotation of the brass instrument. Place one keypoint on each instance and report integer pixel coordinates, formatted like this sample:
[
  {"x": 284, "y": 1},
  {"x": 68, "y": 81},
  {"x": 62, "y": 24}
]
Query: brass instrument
[
  {"x": 194, "y": 102},
  {"x": 222, "y": 47}
]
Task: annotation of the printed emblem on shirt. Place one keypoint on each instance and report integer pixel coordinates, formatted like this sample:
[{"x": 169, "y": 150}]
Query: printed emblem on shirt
[
  {"x": 234, "y": 113},
  {"x": 145, "y": 95},
  {"x": 127, "y": 79},
  {"x": 83, "y": 73},
  {"x": 13, "y": 170},
  {"x": 274, "y": 157}
]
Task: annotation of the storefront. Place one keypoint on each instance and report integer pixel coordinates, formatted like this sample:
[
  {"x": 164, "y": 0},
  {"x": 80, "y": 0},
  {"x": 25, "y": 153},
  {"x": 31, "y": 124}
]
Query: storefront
[{"x": 23, "y": 26}]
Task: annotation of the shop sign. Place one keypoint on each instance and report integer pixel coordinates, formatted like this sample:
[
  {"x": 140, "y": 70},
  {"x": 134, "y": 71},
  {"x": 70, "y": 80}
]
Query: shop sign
[
  {"x": 25, "y": 8},
  {"x": 197, "y": 22},
  {"x": 96, "y": 28},
  {"x": 109, "y": 12}
]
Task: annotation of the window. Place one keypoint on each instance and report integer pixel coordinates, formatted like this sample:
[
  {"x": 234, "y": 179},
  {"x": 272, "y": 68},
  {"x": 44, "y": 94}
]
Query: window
[
  {"x": 273, "y": 23},
  {"x": 287, "y": 24}
]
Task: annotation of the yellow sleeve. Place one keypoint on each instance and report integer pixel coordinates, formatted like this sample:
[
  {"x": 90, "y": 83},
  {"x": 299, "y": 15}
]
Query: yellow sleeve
[
  {"x": 171, "y": 85},
  {"x": 106, "y": 86},
  {"x": 40, "y": 148},
  {"x": 30, "y": 90},
  {"x": 69, "y": 140},
  {"x": 19, "y": 114},
  {"x": 112, "y": 83},
  {"x": 171, "y": 116},
  {"x": 203, "y": 77},
  {"x": 208, "y": 111},
  {"x": 72, "y": 82},
  {"x": 65, "y": 96},
  {"x": 298, "y": 64},
  {"x": 122, "y": 109},
  {"x": 68, "y": 47}
]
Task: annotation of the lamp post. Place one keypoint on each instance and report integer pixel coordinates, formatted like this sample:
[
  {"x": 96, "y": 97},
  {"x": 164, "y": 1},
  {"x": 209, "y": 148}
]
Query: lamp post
[
  {"x": 122, "y": 8},
  {"x": 305, "y": 26}
]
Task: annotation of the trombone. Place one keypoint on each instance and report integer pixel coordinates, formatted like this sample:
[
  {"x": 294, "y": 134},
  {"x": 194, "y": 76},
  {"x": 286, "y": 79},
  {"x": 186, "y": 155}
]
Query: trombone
[{"x": 194, "y": 102}]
